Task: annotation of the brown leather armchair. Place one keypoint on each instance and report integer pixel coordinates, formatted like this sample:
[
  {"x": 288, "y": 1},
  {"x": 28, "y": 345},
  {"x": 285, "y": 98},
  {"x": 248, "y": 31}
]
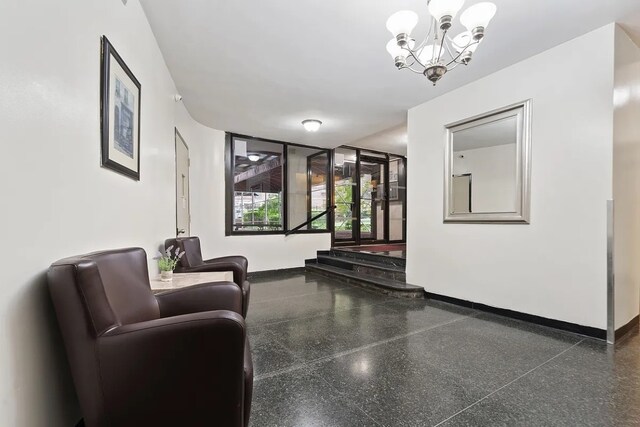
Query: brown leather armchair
[
  {"x": 192, "y": 262},
  {"x": 179, "y": 358}
]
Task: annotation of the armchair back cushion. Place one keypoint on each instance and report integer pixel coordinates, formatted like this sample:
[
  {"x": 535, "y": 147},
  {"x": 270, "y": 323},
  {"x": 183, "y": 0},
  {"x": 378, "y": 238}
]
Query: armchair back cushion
[
  {"x": 93, "y": 294},
  {"x": 192, "y": 252}
]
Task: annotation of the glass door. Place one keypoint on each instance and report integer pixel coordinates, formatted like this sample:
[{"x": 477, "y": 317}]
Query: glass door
[
  {"x": 373, "y": 200},
  {"x": 368, "y": 196},
  {"x": 344, "y": 191},
  {"x": 397, "y": 198}
]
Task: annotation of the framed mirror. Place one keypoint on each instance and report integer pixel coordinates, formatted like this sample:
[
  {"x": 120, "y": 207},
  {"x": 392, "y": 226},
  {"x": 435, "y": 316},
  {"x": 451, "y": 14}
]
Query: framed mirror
[{"x": 487, "y": 167}]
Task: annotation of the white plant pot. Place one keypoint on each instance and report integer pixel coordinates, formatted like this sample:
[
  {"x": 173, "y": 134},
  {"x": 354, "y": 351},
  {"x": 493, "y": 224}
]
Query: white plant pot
[{"x": 166, "y": 276}]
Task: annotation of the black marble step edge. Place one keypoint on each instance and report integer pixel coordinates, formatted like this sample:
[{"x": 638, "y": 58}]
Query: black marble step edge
[
  {"x": 399, "y": 262},
  {"x": 588, "y": 331},
  {"x": 352, "y": 261},
  {"x": 386, "y": 286},
  {"x": 274, "y": 273}
]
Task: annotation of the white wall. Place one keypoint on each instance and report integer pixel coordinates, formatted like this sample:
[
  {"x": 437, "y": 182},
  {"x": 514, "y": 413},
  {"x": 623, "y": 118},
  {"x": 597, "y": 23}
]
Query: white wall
[
  {"x": 58, "y": 201},
  {"x": 556, "y": 266},
  {"x": 626, "y": 178},
  {"x": 493, "y": 176}
]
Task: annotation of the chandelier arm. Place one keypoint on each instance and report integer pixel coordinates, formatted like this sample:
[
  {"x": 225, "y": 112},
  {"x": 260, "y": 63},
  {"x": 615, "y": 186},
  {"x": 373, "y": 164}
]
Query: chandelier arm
[
  {"x": 426, "y": 38},
  {"x": 446, "y": 45},
  {"x": 411, "y": 69},
  {"x": 461, "y": 52},
  {"x": 415, "y": 58},
  {"x": 444, "y": 35}
]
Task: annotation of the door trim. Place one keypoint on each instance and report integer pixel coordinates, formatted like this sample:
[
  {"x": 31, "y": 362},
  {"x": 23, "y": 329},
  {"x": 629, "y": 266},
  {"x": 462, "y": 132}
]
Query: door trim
[
  {"x": 385, "y": 215},
  {"x": 177, "y": 135}
]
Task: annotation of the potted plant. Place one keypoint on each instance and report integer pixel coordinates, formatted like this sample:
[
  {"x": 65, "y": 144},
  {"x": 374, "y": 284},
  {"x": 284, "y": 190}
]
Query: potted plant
[{"x": 167, "y": 262}]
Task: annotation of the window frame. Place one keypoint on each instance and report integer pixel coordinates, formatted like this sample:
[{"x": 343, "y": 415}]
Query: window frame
[{"x": 229, "y": 166}]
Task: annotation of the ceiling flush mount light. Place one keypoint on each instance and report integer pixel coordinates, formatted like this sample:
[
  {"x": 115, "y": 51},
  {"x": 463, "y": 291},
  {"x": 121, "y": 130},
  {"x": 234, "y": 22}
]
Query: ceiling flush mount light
[
  {"x": 253, "y": 157},
  {"x": 438, "y": 53},
  {"x": 311, "y": 125}
]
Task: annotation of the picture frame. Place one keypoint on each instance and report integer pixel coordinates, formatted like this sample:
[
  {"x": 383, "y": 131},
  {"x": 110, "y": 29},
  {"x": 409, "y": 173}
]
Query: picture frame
[{"x": 120, "y": 93}]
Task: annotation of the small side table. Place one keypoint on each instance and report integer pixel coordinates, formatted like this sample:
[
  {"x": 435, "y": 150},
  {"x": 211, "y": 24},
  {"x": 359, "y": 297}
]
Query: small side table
[{"x": 181, "y": 280}]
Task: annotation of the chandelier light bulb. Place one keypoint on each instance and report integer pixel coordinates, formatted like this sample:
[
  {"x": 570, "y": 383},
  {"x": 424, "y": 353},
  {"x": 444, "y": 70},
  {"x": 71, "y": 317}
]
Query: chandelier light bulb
[
  {"x": 311, "y": 125},
  {"x": 444, "y": 11},
  {"x": 402, "y": 22},
  {"x": 464, "y": 42},
  {"x": 395, "y": 50},
  {"x": 477, "y": 17}
]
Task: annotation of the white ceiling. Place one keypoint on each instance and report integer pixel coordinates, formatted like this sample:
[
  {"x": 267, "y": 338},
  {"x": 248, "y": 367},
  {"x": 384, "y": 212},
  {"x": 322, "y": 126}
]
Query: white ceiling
[
  {"x": 393, "y": 140},
  {"x": 500, "y": 132},
  {"x": 261, "y": 67}
]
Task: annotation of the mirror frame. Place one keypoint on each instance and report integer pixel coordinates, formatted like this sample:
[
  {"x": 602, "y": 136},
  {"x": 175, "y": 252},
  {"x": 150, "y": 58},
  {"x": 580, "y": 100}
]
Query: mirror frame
[{"x": 521, "y": 110}]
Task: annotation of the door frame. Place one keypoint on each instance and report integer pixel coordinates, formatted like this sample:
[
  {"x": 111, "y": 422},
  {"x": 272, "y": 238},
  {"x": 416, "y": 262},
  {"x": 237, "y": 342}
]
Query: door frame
[
  {"x": 355, "y": 197},
  {"x": 356, "y": 241},
  {"x": 385, "y": 204},
  {"x": 177, "y": 135},
  {"x": 470, "y": 187},
  {"x": 328, "y": 172}
]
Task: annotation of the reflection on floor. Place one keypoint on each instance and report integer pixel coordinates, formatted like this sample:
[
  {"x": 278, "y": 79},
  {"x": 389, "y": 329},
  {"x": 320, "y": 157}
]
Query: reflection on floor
[
  {"x": 327, "y": 354},
  {"x": 397, "y": 250}
]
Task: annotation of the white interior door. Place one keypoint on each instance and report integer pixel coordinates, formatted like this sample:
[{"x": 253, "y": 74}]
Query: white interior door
[
  {"x": 462, "y": 193},
  {"x": 183, "y": 216}
]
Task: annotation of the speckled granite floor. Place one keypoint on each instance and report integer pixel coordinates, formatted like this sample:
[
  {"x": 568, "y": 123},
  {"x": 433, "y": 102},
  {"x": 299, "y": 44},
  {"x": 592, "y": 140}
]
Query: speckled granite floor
[{"x": 328, "y": 354}]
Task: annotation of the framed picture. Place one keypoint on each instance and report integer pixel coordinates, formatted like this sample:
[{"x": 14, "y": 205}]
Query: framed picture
[{"x": 119, "y": 114}]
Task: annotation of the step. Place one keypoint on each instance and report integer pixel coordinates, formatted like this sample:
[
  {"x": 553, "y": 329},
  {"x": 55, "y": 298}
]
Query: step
[
  {"x": 368, "y": 268},
  {"x": 391, "y": 287},
  {"x": 368, "y": 257}
]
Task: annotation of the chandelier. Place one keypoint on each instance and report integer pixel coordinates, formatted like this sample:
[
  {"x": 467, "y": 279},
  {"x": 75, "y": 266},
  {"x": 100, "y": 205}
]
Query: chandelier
[{"x": 438, "y": 53}]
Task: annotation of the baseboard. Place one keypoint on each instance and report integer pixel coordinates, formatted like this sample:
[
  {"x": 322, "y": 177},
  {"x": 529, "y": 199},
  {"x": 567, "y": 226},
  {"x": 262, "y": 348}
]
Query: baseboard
[
  {"x": 588, "y": 331},
  {"x": 268, "y": 273},
  {"x": 623, "y": 330}
]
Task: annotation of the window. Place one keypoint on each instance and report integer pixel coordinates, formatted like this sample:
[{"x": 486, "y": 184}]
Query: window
[
  {"x": 257, "y": 185},
  {"x": 307, "y": 170},
  {"x": 273, "y": 187}
]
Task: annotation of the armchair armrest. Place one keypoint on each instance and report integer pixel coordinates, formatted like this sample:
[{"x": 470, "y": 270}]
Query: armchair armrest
[
  {"x": 181, "y": 370},
  {"x": 236, "y": 263},
  {"x": 202, "y": 297}
]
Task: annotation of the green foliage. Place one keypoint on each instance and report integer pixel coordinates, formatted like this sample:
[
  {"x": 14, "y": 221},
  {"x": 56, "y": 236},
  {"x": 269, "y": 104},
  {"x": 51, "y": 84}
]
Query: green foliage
[
  {"x": 272, "y": 208},
  {"x": 168, "y": 260},
  {"x": 343, "y": 197}
]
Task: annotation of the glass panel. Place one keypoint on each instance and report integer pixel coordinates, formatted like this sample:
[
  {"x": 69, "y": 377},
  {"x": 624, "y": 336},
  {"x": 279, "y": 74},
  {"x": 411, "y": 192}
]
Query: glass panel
[
  {"x": 485, "y": 164},
  {"x": 371, "y": 201},
  {"x": 344, "y": 179},
  {"x": 257, "y": 186},
  {"x": 318, "y": 181},
  {"x": 396, "y": 198},
  {"x": 307, "y": 186}
]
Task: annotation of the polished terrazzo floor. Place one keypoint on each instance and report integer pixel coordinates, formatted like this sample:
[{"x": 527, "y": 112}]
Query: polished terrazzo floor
[{"x": 329, "y": 354}]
